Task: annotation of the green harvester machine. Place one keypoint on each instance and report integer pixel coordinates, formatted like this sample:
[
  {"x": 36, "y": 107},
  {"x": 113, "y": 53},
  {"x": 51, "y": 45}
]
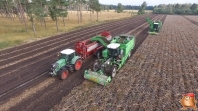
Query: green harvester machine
[
  {"x": 114, "y": 56},
  {"x": 154, "y": 27}
]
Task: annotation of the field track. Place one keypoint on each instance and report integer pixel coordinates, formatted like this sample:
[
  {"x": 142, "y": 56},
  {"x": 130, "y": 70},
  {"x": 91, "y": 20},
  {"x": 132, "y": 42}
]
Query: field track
[
  {"x": 163, "y": 67},
  {"x": 24, "y": 82}
]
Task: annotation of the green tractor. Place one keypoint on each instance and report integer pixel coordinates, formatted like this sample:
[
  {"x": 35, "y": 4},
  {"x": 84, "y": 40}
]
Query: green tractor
[
  {"x": 67, "y": 61},
  {"x": 154, "y": 27},
  {"x": 114, "y": 56}
]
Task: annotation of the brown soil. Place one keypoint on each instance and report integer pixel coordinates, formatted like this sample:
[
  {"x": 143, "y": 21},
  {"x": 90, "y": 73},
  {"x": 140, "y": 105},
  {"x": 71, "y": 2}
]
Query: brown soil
[
  {"x": 163, "y": 68},
  {"x": 32, "y": 62}
]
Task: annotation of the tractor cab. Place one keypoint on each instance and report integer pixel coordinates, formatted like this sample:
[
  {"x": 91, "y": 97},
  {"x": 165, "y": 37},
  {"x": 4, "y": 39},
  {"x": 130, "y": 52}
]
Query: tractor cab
[
  {"x": 114, "y": 50},
  {"x": 155, "y": 25},
  {"x": 66, "y": 54}
]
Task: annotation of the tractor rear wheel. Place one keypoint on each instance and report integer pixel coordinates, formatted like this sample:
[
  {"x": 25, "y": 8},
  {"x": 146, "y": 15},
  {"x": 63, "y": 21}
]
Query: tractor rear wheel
[
  {"x": 96, "y": 66},
  {"x": 113, "y": 71},
  {"x": 78, "y": 64},
  {"x": 98, "y": 54},
  {"x": 63, "y": 74}
]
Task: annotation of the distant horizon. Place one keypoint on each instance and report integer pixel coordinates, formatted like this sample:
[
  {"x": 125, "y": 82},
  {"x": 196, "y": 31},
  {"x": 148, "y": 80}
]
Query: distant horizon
[{"x": 149, "y": 3}]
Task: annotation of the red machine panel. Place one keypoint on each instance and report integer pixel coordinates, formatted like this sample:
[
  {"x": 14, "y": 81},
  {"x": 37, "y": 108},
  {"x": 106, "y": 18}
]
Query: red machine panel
[{"x": 87, "y": 48}]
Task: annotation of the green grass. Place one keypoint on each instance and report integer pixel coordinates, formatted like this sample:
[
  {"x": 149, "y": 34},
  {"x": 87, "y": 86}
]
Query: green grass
[{"x": 14, "y": 32}]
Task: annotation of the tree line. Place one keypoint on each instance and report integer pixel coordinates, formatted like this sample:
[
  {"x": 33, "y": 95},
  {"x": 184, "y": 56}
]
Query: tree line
[
  {"x": 176, "y": 9},
  {"x": 40, "y": 9},
  {"x": 124, "y": 7}
]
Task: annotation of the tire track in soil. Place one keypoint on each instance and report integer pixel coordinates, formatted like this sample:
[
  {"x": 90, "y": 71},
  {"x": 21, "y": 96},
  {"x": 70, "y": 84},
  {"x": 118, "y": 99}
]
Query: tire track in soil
[
  {"x": 143, "y": 64},
  {"x": 30, "y": 76},
  {"x": 147, "y": 66},
  {"x": 57, "y": 90},
  {"x": 25, "y": 94},
  {"x": 14, "y": 108},
  {"x": 192, "y": 21},
  {"x": 118, "y": 103}
]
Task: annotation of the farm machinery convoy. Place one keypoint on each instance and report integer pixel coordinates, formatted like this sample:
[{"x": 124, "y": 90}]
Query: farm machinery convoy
[
  {"x": 70, "y": 60},
  {"x": 154, "y": 26},
  {"x": 111, "y": 53}
]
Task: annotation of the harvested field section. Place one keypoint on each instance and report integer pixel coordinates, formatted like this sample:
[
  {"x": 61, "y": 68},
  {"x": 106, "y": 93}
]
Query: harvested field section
[
  {"x": 163, "y": 68},
  {"x": 195, "y": 18},
  {"x": 35, "y": 69}
]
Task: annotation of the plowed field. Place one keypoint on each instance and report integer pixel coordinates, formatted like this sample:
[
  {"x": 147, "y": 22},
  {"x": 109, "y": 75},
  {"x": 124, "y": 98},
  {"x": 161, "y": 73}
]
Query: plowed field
[
  {"x": 24, "y": 80},
  {"x": 164, "y": 67}
]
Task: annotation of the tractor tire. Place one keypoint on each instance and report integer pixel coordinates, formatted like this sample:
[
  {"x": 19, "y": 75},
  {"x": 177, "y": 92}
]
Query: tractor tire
[
  {"x": 96, "y": 66},
  {"x": 98, "y": 54},
  {"x": 113, "y": 71},
  {"x": 63, "y": 74},
  {"x": 78, "y": 64}
]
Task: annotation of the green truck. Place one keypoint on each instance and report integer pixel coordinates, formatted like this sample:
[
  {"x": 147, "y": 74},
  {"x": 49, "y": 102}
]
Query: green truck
[{"x": 114, "y": 56}]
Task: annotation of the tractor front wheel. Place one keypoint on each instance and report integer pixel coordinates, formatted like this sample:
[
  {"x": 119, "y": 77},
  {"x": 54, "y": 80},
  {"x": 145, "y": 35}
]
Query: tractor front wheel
[
  {"x": 113, "y": 71},
  {"x": 78, "y": 64},
  {"x": 63, "y": 74}
]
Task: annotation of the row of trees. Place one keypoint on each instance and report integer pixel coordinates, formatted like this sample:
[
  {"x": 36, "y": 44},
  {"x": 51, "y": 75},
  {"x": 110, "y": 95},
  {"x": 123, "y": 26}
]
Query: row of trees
[
  {"x": 124, "y": 7},
  {"x": 39, "y": 9},
  {"x": 176, "y": 9}
]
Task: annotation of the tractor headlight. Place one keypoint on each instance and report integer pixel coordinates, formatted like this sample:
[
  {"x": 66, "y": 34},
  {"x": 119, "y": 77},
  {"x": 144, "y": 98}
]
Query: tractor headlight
[{"x": 108, "y": 62}]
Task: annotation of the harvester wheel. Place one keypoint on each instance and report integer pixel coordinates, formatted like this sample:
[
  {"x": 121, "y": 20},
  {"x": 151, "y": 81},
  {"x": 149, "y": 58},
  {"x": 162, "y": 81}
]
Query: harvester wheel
[
  {"x": 98, "y": 54},
  {"x": 113, "y": 71},
  {"x": 78, "y": 64},
  {"x": 129, "y": 54},
  {"x": 63, "y": 74},
  {"x": 96, "y": 66}
]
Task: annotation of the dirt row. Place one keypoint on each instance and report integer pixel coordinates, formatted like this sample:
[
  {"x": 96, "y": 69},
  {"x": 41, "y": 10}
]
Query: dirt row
[
  {"x": 57, "y": 93},
  {"x": 195, "y": 18},
  {"x": 191, "y": 19},
  {"x": 163, "y": 68}
]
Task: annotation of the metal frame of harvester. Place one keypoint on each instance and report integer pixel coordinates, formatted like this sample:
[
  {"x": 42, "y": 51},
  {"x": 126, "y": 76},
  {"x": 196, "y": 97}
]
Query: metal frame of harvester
[{"x": 114, "y": 56}]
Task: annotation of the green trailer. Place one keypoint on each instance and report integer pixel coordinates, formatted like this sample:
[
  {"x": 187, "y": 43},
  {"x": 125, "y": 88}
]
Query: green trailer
[
  {"x": 154, "y": 26},
  {"x": 114, "y": 56}
]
